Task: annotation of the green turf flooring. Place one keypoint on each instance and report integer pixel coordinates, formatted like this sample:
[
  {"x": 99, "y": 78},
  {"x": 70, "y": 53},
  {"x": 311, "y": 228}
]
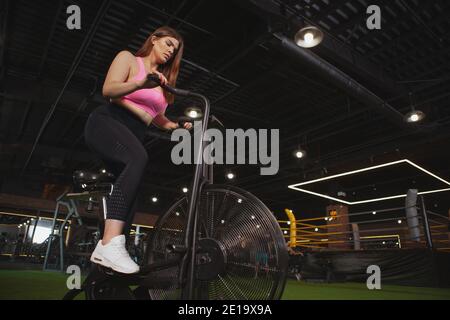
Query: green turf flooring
[{"x": 25, "y": 284}]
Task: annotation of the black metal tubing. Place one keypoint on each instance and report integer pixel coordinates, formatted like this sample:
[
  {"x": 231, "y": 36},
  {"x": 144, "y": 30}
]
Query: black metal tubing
[
  {"x": 192, "y": 216},
  {"x": 191, "y": 225},
  {"x": 347, "y": 83},
  {"x": 426, "y": 225}
]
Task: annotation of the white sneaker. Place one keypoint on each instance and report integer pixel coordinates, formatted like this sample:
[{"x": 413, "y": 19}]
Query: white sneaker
[{"x": 114, "y": 255}]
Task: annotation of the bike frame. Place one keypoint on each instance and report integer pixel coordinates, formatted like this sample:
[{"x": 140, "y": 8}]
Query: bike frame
[{"x": 202, "y": 175}]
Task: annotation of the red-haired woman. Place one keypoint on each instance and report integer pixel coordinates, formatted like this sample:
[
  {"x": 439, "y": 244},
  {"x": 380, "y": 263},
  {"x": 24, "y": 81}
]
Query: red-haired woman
[{"x": 115, "y": 132}]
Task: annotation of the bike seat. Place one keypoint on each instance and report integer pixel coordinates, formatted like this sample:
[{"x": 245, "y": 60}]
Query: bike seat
[{"x": 88, "y": 177}]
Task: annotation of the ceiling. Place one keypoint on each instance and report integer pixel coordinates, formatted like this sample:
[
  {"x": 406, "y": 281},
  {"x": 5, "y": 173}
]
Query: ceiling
[{"x": 342, "y": 101}]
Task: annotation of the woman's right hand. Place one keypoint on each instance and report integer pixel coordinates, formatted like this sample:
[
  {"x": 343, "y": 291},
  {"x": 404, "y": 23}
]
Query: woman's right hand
[{"x": 145, "y": 83}]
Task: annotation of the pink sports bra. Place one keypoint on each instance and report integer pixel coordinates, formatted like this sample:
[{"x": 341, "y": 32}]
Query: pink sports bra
[{"x": 151, "y": 100}]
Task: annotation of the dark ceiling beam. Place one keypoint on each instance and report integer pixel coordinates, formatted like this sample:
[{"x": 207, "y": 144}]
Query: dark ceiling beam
[
  {"x": 325, "y": 9},
  {"x": 81, "y": 107},
  {"x": 358, "y": 20},
  {"x": 49, "y": 39},
  {"x": 321, "y": 15},
  {"x": 63, "y": 107},
  {"x": 6, "y": 16},
  {"x": 210, "y": 73},
  {"x": 238, "y": 54},
  {"x": 78, "y": 57},
  {"x": 395, "y": 22},
  {"x": 25, "y": 55},
  {"x": 41, "y": 92},
  {"x": 24, "y": 119},
  {"x": 331, "y": 47},
  {"x": 426, "y": 26},
  {"x": 343, "y": 81},
  {"x": 389, "y": 22},
  {"x": 249, "y": 84},
  {"x": 316, "y": 94},
  {"x": 168, "y": 15},
  {"x": 193, "y": 9},
  {"x": 140, "y": 15},
  {"x": 21, "y": 148},
  {"x": 438, "y": 63},
  {"x": 355, "y": 122},
  {"x": 420, "y": 57},
  {"x": 405, "y": 37},
  {"x": 175, "y": 13},
  {"x": 324, "y": 123},
  {"x": 426, "y": 79}
]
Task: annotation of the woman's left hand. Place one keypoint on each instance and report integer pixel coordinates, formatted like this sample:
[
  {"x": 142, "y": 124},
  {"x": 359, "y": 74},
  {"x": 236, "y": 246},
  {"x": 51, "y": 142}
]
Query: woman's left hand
[
  {"x": 161, "y": 77},
  {"x": 186, "y": 125}
]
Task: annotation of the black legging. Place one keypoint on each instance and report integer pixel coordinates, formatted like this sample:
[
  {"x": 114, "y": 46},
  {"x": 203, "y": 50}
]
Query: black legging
[{"x": 115, "y": 135}]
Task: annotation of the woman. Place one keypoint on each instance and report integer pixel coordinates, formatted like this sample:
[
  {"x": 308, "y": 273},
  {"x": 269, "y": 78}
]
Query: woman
[{"x": 115, "y": 132}]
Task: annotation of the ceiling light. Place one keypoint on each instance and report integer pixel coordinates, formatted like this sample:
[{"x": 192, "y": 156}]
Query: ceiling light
[
  {"x": 414, "y": 116},
  {"x": 193, "y": 112},
  {"x": 308, "y": 37},
  {"x": 300, "y": 153}
]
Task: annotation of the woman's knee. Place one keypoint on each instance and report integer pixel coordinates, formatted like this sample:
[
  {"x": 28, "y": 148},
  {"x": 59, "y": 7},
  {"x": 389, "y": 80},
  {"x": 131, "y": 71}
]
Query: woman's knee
[{"x": 139, "y": 159}]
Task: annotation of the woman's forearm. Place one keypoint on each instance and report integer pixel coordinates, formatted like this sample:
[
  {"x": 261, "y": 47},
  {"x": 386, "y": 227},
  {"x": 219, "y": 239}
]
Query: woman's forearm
[
  {"x": 162, "y": 122},
  {"x": 116, "y": 90}
]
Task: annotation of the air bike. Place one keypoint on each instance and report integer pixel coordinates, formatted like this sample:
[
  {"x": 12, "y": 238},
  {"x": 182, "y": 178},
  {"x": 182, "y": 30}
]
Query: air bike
[{"x": 218, "y": 242}]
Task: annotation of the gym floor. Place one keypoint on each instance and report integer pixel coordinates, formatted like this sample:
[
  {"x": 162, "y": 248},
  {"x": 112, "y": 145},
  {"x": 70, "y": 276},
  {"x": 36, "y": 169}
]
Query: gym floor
[{"x": 28, "y": 284}]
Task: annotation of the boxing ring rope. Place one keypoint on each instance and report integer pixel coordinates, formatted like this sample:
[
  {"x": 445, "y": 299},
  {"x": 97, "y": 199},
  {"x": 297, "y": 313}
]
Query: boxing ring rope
[{"x": 365, "y": 234}]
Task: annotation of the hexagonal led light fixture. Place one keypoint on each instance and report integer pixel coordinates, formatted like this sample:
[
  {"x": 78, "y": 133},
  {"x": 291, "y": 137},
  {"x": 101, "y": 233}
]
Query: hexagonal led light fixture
[{"x": 296, "y": 186}]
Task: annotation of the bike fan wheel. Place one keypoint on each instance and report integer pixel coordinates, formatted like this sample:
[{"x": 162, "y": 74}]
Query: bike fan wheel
[
  {"x": 109, "y": 290},
  {"x": 247, "y": 257}
]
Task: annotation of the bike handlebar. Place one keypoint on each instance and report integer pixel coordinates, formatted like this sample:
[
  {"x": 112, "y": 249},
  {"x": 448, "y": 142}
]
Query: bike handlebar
[
  {"x": 178, "y": 92},
  {"x": 185, "y": 93}
]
